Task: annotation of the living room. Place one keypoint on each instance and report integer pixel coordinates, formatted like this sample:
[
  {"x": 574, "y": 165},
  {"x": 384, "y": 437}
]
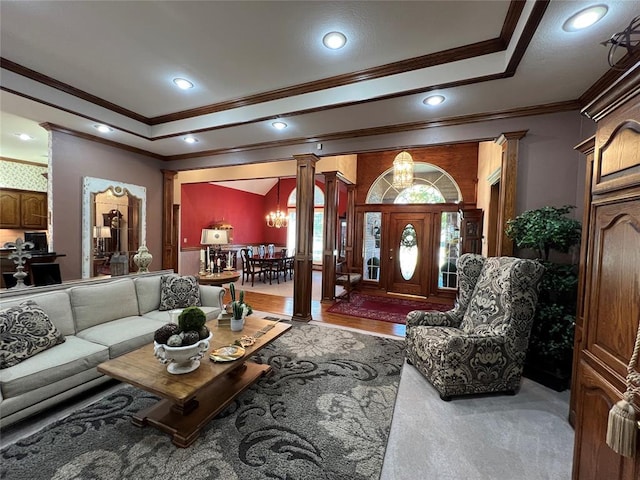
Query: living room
[{"x": 147, "y": 150}]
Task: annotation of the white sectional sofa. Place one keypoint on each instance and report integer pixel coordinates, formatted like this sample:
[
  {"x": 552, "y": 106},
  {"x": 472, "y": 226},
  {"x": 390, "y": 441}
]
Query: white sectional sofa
[{"x": 99, "y": 320}]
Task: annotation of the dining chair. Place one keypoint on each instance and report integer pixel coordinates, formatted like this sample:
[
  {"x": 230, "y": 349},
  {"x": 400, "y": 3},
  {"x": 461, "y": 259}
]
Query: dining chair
[
  {"x": 287, "y": 264},
  {"x": 271, "y": 266},
  {"x": 255, "y": 268},
  {"x": 246, "y": 269}
]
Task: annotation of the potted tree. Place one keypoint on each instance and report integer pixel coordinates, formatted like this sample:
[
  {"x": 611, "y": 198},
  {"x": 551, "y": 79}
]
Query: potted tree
[{"x": 551, "y": 343}]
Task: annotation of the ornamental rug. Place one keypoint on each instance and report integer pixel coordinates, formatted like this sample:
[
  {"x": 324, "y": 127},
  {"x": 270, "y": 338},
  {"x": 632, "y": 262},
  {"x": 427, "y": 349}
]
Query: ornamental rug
[
  {"x": 325, "y": 413},
  {"x": 387, "y": 309}
]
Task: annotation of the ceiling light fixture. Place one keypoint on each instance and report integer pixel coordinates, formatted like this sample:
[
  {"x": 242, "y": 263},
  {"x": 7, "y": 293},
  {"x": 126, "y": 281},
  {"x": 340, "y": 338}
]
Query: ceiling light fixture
[
  {"x": 585, "y": 18},
  {"x": 334, "y": 40},
  {"x": 190, "y": 139},
  {"x": 403, "y": 170},
  {"x": 103, "y": 128},
  {"x": 279, "y": 125},
  {"x": 24, "y": 136},
  {"x": 183, "y": 83},
  {"x": 278, "y": 219},
  {"x": 434, "y": 100}
]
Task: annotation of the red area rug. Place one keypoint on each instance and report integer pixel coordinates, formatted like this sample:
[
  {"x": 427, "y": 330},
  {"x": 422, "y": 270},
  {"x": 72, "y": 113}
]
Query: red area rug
[{"x": 386, "y": 309}]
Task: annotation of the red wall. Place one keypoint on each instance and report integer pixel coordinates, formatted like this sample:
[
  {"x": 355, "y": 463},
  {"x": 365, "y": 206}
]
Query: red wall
[{"x": 204, "y": 203}]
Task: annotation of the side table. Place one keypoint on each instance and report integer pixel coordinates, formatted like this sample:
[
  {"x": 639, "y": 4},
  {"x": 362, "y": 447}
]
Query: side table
[{"x": 219, "y": 279}]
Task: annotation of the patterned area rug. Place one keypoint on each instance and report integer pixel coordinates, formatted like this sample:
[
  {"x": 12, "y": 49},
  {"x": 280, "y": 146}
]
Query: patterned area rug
[
  {"x": 387, "y": 309},
  {"x": 325, "y": 413}
]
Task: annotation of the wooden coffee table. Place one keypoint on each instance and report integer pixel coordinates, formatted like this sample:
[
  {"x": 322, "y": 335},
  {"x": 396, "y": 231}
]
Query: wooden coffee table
[{"x": 191, "y": 400}]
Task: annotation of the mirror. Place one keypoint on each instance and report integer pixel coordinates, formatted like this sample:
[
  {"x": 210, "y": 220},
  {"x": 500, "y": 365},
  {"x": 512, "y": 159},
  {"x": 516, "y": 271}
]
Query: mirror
[{"x": 113, "y": 225}]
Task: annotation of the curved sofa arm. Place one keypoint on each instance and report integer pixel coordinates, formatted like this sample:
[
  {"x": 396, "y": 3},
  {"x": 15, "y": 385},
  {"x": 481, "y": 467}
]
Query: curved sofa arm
[
  {"x": 439, "y": 319},
  {"x": 211, "y": 296}
]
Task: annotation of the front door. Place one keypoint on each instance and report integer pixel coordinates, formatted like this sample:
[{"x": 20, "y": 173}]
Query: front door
[{"x": 409, "y": 253}]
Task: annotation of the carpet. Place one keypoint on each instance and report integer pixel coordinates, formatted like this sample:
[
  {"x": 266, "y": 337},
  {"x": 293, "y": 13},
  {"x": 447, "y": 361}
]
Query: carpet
[
  {"x": 387, "y": 309},
  {"x": 325, "y": 413}
]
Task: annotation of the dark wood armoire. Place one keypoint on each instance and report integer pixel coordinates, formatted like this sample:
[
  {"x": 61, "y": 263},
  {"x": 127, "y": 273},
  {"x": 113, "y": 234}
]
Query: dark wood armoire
[{"x": 609, "y": 292}]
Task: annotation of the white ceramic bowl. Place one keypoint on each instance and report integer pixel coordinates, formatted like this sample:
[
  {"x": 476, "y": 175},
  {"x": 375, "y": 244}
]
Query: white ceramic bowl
[{"x": 182, "y": 359}]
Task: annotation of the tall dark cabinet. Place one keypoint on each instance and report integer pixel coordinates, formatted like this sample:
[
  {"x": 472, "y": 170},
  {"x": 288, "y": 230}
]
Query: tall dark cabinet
[{"x": 609, "y": 290}]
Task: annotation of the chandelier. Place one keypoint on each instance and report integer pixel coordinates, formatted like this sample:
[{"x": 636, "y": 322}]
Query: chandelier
[
  {"x": 403, "y": 170},
  {"x": 277, "y": 219}
]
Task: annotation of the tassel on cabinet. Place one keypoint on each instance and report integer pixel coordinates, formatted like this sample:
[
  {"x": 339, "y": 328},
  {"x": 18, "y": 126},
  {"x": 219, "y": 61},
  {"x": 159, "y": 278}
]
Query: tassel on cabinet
[{"x": 621, "y": 429}]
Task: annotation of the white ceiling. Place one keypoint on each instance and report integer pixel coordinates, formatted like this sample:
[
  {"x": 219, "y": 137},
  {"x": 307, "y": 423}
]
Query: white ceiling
[{"x": 120, "y": 59}]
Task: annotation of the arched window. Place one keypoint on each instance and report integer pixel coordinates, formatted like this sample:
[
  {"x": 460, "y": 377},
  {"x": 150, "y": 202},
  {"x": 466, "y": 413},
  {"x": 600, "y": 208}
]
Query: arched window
[
  {"x": 431, "y": 184},
  {"x": 318, "y": 222},
  {"x": 318, "y": 197}
]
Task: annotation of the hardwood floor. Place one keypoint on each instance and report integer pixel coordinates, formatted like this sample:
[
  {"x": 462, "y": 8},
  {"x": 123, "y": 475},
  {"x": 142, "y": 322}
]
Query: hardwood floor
[{"x": 284, "y": 306}]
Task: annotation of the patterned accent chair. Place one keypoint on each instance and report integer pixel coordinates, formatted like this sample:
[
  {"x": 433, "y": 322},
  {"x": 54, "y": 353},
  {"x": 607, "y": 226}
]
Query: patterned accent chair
[{"x": 480, "y": 345}]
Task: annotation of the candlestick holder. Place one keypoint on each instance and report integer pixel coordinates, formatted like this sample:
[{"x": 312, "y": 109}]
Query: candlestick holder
[{"x": 19, "y": 257}]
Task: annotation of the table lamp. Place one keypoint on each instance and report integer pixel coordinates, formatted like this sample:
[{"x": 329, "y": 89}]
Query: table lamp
[
  {"x": 210, "y": 237},
  {"x": 100, "y": 233}
]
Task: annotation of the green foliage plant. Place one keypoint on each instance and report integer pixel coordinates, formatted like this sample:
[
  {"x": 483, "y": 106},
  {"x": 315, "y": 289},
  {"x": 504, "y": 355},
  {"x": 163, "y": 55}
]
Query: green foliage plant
[
  {"x": 191, "y": 318},
  {"x": 544, "y": 230}
]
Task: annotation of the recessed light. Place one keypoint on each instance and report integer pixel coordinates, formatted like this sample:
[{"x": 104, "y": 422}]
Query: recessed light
[
  {"x": 24, "y": 136},
  {"x": 183, "y": 83},
  {"x": 279, "y": 125},
  {"x": 334, "y": 40},
  {"x": 190, "y": 139},
  {"x": 585, "y": 18},
  {"x": 434, "y": 100},
  {"x": 103, "y": 128}
]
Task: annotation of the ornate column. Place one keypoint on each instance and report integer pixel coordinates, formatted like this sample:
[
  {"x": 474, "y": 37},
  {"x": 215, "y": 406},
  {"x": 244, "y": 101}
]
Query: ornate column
[
  {"x": 303, "y": 260},
  {"x": 508, "y": 181},
  {"x": 329, "y": 240},
  {"x": 169, "y": 247}
]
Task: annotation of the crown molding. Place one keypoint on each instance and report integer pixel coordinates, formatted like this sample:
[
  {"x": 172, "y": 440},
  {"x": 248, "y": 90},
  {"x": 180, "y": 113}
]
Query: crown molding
[
  {"x": 446, "y": 56},
  {"x": 93, "y": 138},
  {"x": 25, "y": 162},
  {"x": 390, "y": 129}
]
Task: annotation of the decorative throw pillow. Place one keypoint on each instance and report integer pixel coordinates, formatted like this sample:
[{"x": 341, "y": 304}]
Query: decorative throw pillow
[
  {"x": 25, "y": 330},
  {"x": 179, "y": 292}
]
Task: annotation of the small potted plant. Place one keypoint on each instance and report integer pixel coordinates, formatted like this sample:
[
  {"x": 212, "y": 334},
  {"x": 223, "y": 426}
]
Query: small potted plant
[{"x": 239, "y": 309}]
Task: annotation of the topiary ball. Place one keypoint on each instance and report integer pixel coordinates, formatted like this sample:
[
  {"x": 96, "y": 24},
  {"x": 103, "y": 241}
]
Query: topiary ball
[
  {"x": 174, "y": 341},
  {"x": 191, "y": 318},
  {"x": 162, "y": 334},
  {"x": 190, "y": 338}
]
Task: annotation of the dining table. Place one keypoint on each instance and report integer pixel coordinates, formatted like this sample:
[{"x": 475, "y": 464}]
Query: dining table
[{"x": 271, "y": 264}]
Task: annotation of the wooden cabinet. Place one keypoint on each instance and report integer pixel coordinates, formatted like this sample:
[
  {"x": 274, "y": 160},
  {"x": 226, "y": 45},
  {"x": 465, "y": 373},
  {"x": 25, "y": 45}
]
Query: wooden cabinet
[
  {"x": 609, "y": 290},
  {"x": 34, "y": 210},
  {"x": 10, "y": 209},
  {"x": 23, "y": 209}
]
